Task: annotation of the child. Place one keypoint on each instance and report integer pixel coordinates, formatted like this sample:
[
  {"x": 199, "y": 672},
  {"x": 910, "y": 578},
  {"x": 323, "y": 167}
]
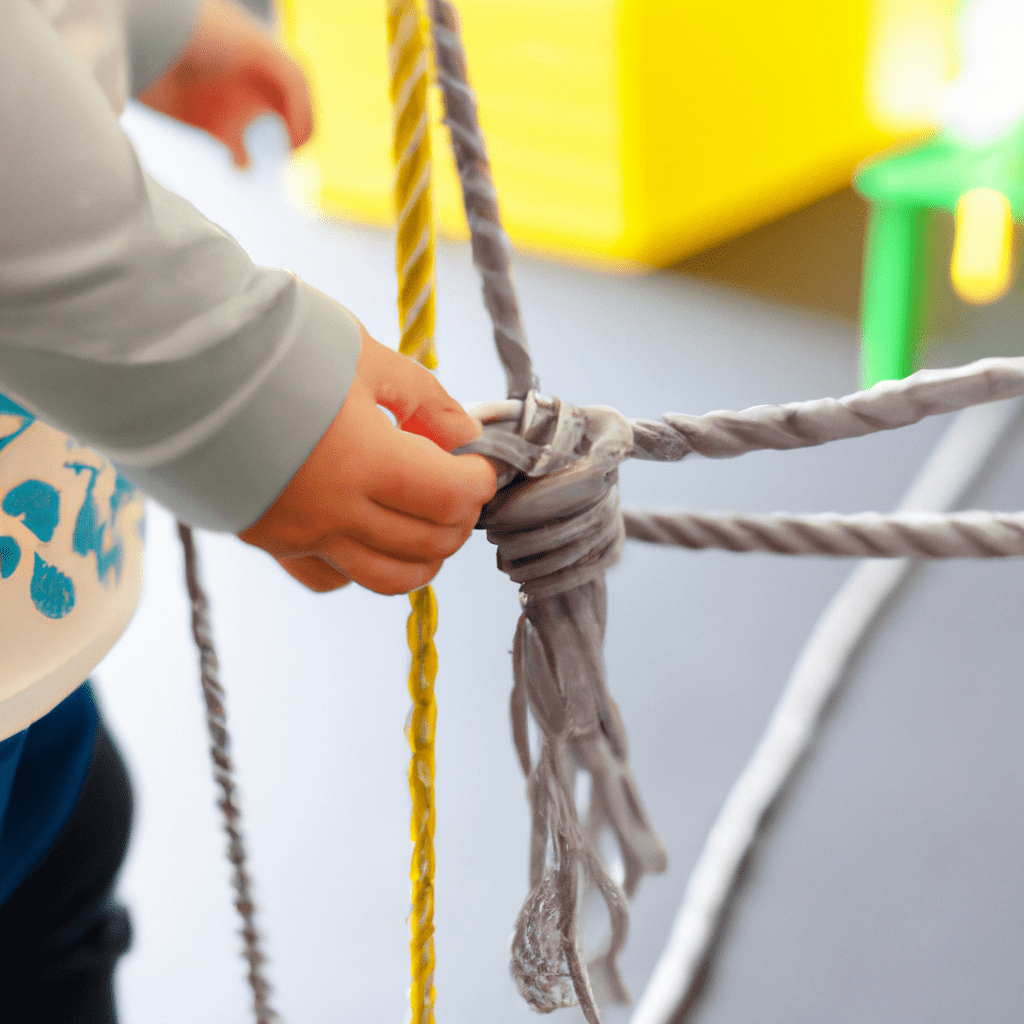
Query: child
[{"x": 238, "y": 396}]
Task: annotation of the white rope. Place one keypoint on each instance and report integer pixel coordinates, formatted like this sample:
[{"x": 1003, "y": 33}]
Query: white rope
[
  {"x": 864, "y": 535},
  {"x": 678, "y": 976}
]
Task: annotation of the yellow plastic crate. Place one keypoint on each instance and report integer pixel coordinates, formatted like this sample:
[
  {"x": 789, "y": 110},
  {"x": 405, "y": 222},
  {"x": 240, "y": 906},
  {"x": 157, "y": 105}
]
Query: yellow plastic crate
[{"x": 625, "y": 132}]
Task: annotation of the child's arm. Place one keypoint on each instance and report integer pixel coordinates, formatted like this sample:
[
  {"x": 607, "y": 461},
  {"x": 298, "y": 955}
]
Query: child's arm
[
  {"x": 135, "y": 325},
  {"x": 340, "y": 518}
]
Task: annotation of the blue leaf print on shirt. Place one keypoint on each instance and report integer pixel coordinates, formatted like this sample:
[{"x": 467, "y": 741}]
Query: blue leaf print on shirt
[
  {"x": 89, "y": 532},
  {"x": 123, "y": 488},
  {"x": 53, "y": 593},
  {"x": 39, "y": 503},
  {"x": 8, "y": 408},
  {"x": 10, "y": 556}
]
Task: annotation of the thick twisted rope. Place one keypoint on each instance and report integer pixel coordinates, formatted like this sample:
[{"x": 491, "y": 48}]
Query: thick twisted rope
[
  {"x": 414, "y": 249},
  {"x": 864, "y": 535},
  {"x": 557, "y": 654},
  {"x": 408, "y": 56},
  {"x": 725, "y": 434},
  {"x": 492, "y": 251},
  {"x": 886, "y": 406},
  {"x": 223, "y": 774},
  {"x": 420, "y": 730},
  {"x": 558, "y": 526}
]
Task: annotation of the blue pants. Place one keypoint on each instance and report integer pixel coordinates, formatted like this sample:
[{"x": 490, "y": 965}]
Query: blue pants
[{"x": 61, "y": 931}]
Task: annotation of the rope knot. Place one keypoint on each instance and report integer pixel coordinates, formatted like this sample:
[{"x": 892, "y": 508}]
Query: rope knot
[
  {"x": 557, "y": 524},
  {"x": 556, "y": 519}
]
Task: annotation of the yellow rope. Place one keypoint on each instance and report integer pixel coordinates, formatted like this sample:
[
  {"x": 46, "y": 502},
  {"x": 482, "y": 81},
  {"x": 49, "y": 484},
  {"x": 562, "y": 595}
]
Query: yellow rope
[
  {"x": 420, "y": 730},
  {"x": 410, "y": 66},
  {"x": 408, "y": 56}
]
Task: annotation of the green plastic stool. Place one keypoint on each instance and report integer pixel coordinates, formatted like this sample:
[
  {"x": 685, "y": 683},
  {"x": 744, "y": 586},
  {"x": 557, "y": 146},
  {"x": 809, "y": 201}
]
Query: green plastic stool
[{"x": 902, "y": 188}]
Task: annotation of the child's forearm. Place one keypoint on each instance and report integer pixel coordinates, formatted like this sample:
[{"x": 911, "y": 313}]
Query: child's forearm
[
  {"x": 239, "y": 397},
  {"x": 134, "y": 324}
]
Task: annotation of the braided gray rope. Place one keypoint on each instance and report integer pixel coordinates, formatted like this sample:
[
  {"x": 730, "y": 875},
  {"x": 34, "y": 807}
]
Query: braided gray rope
[
  {"x": 557, "y": 652},
  {"x": 223, "y": 774},
  {"x": 886, "y": 406},
  {"x": 492, "y": 251},
  {"x": 865, "y": 535}
]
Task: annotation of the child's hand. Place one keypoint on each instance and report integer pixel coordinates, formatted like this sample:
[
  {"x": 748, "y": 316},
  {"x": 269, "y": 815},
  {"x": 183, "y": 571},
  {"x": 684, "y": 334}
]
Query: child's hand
[
  {"x": 375, "y": 504},
  {"x": 230, "y": 72}
]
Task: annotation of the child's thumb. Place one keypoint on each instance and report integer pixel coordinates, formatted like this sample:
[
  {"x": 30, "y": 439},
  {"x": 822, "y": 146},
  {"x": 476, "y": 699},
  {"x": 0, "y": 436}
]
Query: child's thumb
[{"x": 419, "y": 403}]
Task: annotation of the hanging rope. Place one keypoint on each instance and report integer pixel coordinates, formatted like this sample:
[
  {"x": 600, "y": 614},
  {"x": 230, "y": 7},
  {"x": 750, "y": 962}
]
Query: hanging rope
[
  {"x": 492, "y": 251},
  {"x": 414, "y": 249},
  {"x": 408, "y": 58},
  {"x": 223, "y": 774},
  {"x": 420, "y": 731}
]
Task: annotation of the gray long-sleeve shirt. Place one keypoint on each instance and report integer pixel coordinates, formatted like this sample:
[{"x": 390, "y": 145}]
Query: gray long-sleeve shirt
[
  {"x": 131, "y": 323},
  {"x": 127, "y": 319}
]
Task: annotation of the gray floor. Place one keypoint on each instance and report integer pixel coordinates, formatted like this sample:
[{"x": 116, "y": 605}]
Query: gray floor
[{"x": 892, "y": 888}]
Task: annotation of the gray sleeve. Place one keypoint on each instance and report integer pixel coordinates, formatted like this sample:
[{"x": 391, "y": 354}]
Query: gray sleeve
[
  {"x": 135, "y": 325},
  {"x": 156, "y": 31}
]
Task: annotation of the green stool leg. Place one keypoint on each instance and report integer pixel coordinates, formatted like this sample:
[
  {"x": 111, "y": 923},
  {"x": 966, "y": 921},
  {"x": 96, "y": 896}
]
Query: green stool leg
[{"x": 893, "y": 292}]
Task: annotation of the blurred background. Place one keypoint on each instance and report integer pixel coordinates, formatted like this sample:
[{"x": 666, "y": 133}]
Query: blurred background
[{"x": 892, "y": 887}]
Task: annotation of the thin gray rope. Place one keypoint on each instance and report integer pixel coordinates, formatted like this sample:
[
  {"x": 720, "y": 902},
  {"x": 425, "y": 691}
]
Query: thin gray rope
[
  {"x": 492, "y": 251},
  {"x": 223, "y": 774},
  {"x": 886, "y": 406},
  {"x": 864, "y": 535},
  {"x": 724, "y": 434}
]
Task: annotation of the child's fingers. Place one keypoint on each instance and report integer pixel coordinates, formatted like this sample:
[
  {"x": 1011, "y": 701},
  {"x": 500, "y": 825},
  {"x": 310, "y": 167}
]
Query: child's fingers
[
  {"x": 439, "y": 417},
  {"x": 380, "y": 573},
  {"x": 419, "y": 403},
  {"x": 294, "y": 103},
  {"x": 235, "y": 142},
  {"x": 398, "y": 535},
  {"x": 380, "y": 506},
  {"x": 314, "y": 573},
  {"x": 427, "y": 483},
  {"x": 282, "y": 88}
]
